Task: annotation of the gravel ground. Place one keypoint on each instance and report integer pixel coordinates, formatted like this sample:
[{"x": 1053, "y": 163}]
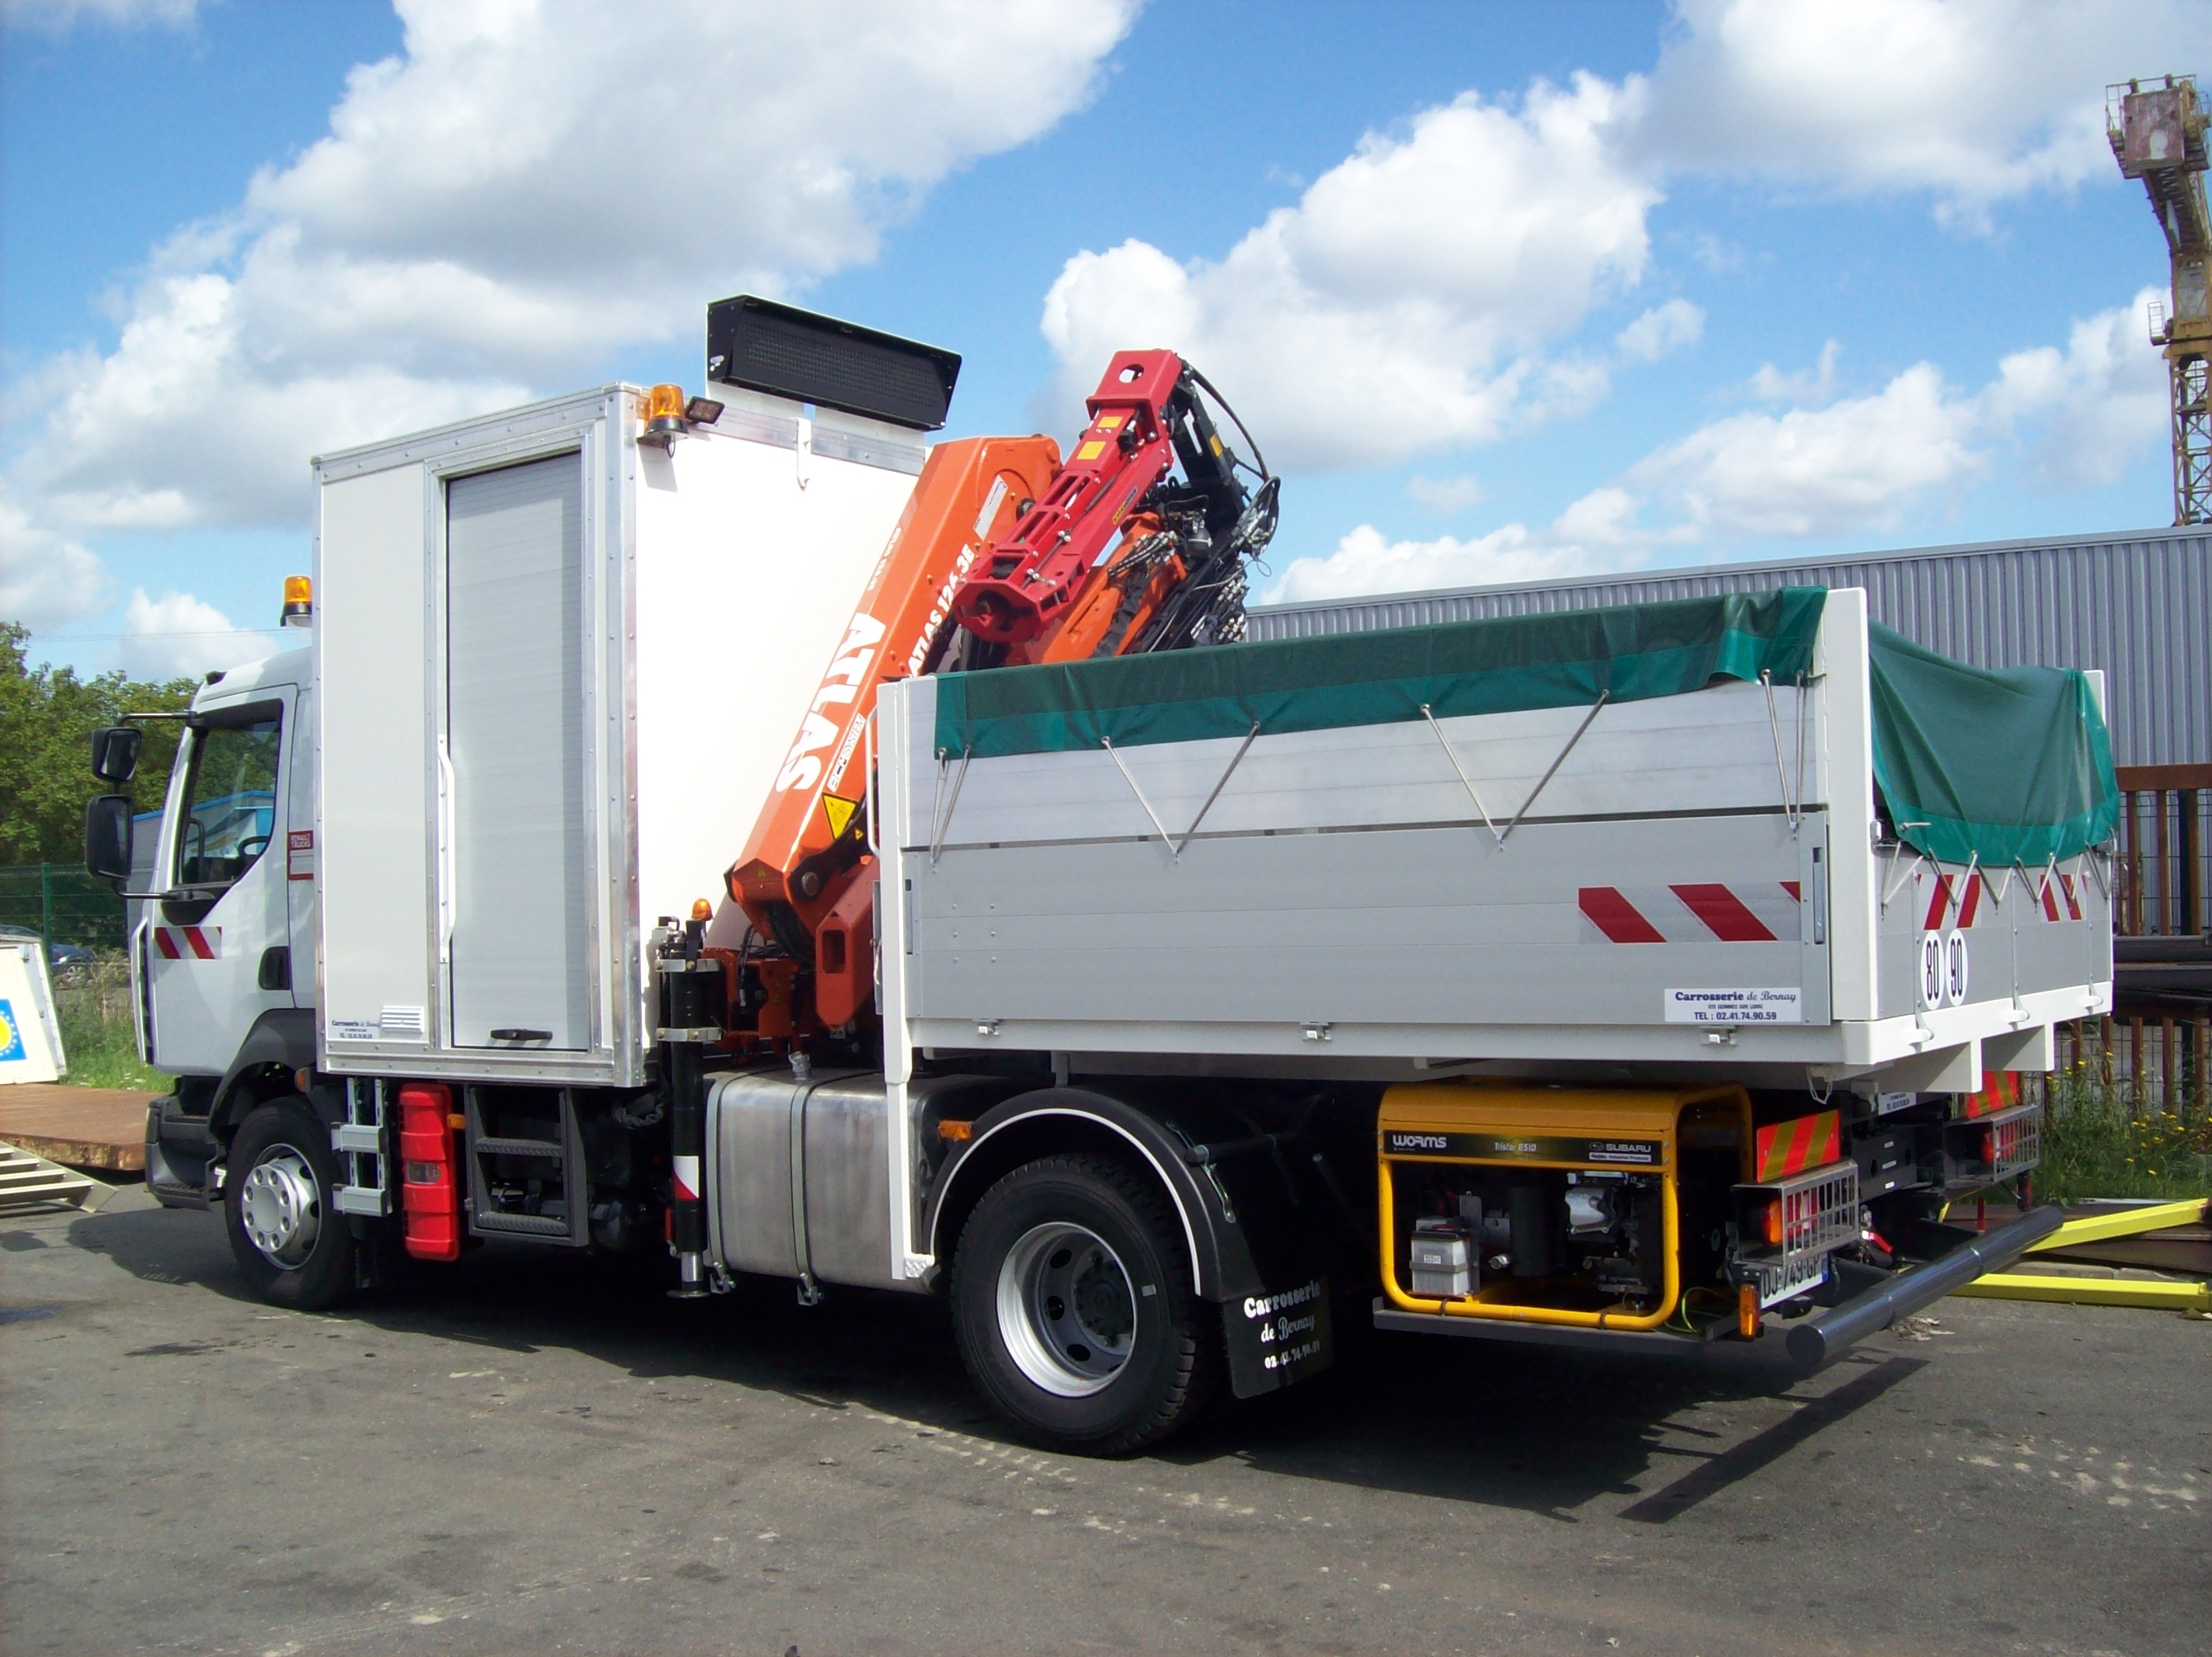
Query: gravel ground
[{"x": 535, "y": 1451}]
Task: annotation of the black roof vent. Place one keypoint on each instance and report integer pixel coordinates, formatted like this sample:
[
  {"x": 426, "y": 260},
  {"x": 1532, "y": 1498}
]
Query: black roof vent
[{"x": 786, "y": 352}]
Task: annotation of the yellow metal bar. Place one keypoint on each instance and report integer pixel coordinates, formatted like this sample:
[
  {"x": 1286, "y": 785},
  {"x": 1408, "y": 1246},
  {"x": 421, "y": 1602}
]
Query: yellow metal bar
[
  {"x": 2122, "y": 1222},
  {"x": 2091, "y": 1291}
]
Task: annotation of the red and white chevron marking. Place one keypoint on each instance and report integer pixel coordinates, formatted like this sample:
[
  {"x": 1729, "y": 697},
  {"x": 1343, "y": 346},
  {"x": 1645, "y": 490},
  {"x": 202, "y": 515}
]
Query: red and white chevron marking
[
  {"x": 1956, "y": 901},
  {"x": 188, "y": 943},
  {"x": 1694, "y": 913}
]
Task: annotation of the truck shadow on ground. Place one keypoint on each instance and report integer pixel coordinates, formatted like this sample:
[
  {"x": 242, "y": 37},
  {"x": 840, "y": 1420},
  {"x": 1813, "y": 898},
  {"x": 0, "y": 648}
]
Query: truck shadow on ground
[{"x": 1519, "y": 1426}]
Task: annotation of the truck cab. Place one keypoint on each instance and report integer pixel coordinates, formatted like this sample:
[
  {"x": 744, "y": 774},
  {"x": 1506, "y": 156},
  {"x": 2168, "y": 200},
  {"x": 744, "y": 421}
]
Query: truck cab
[{"x": 222, "y": 940}]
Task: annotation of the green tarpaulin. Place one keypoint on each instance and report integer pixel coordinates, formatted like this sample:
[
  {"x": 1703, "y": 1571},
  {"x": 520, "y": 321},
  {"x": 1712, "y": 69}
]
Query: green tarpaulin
[
  {"x": 1632, "y": 652},
  {"x": 2014, "y": 765}
]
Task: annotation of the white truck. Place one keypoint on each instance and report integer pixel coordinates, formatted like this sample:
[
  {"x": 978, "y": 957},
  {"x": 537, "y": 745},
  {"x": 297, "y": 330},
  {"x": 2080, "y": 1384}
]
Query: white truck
[{"x": 1646, "y": 980}]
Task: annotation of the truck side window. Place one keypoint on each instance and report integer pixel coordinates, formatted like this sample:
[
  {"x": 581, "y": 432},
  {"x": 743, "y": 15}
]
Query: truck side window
[{"x": 230, "y": 802}]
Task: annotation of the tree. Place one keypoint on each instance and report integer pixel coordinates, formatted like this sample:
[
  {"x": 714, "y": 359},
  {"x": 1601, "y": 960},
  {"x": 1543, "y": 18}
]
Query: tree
[{"x": 47, "y": 715}]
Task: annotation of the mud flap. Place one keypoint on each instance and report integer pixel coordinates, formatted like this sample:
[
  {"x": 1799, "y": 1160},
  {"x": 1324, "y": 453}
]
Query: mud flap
[{"x": 1278, "y": 1338}]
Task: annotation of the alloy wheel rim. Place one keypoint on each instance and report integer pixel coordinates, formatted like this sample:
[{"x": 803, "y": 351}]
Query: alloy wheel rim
[
  {"x": 281, "y": 1206},
  {"x": 1068, "y": 1312}
]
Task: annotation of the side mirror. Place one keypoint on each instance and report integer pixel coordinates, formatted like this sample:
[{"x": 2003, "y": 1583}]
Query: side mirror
[
  {"x": 107, "y": 830},
  {"x": 115, "y": 752}
]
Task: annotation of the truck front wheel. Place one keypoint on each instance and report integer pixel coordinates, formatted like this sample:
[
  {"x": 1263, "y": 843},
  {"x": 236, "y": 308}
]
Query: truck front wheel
[
  {"x": 291, "y": 1245},
  {"x": 1074, "y": 1309}
]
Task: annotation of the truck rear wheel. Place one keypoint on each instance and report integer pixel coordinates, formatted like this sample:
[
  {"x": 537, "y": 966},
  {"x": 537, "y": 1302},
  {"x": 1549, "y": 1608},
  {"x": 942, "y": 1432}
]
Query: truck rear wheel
[
  {"x": 1074, "y": 1309},
  {"x": 290, "y": 1243}
]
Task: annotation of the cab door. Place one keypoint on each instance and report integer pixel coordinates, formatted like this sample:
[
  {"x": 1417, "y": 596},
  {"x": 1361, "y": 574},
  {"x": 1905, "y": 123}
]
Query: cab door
[
  {"x": 296, "y": 845},
  {"x": 217, "y": 942}
]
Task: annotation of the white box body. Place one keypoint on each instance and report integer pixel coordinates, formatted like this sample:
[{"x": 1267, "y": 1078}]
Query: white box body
[{"x": 558, "y": 668}]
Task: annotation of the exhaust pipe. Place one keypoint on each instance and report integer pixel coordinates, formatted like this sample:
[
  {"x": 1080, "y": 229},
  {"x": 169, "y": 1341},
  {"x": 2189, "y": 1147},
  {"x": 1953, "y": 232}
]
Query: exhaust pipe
[{"x": 1822, "y": 1338}]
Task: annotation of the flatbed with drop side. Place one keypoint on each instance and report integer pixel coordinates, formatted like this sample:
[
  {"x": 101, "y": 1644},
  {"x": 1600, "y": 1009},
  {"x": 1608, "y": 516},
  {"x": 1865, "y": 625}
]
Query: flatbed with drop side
[{"x": 1646, "y": 980}]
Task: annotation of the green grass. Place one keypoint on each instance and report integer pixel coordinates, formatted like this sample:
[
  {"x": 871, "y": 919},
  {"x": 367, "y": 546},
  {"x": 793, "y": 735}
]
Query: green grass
[
  {"x": 96, "y": 1035},
  {"x": 2099, "y": 1141}
]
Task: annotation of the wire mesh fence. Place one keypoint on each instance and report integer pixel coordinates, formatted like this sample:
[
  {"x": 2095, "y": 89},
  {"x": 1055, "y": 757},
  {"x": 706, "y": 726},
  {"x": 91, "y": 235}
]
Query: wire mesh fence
[
  {"x": 61, "y": 903},
  {"x": 2159, "y": 1066},
  {"x": 2164, "y": 852}
]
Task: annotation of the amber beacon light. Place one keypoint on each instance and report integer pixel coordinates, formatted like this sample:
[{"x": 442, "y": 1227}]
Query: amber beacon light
[
  {"x": 299, "y": 602},
  {"x": 668, "y": 415}
]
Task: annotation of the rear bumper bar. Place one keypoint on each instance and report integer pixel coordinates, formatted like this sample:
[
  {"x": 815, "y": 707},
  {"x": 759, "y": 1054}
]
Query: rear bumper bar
[
  {"x": 1818, "y": 1339},
  {"x": 1876, "y": 1300}
]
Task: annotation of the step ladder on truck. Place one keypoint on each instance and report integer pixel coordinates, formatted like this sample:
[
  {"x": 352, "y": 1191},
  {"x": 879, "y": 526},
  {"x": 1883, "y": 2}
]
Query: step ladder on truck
[{"x": 1642, "y": 980}]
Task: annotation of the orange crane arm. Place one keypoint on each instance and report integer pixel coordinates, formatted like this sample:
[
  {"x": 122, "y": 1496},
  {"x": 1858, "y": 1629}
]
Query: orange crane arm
[
  {"x": 1004, "y": 556},
  {"x": 808, "y": 847}
]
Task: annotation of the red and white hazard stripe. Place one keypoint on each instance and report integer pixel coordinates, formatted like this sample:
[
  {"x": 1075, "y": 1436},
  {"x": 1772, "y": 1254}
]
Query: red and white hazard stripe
[
  {"x": 1954, "y": 900},
  {"x": 1692, "y": 912},
  {"x": 188, "y": 943},
  {"x": 687, "y": 1182}
]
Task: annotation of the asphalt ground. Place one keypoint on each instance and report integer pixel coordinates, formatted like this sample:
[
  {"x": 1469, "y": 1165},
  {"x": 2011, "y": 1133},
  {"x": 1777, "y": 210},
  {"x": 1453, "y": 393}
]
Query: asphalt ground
[{"x": 539, "y": 1453}]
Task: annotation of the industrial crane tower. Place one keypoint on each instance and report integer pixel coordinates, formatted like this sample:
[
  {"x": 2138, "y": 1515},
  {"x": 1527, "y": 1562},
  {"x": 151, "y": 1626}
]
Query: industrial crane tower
[{"x": 2158, "y": 134}]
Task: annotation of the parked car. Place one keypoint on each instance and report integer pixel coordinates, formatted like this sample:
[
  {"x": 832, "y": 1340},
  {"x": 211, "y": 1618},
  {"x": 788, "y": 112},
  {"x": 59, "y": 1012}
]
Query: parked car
[{"x": 68, "y": 963}]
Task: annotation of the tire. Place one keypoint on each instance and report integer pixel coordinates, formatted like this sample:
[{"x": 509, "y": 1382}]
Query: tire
[
  {"x": 292, "y": 1246},
  {"x": 1074, "y": 1309}
]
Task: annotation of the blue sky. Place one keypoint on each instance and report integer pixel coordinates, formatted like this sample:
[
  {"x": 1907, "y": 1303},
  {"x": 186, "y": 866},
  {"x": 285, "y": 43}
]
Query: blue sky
[{"x": 1505, "y": 292}]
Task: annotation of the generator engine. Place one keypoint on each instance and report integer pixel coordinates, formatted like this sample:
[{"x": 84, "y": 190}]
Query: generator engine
[
  {"x": 1601, "y": 1227},
  {"x": 1549, "y": 1204},
  {"x": 1614, "y": 1235}
]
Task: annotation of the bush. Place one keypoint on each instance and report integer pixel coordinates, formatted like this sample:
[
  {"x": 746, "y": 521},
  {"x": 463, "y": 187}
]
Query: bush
[
  {"x": 2100, "y": 1140},
  {"x": 94, "y": 1009}
]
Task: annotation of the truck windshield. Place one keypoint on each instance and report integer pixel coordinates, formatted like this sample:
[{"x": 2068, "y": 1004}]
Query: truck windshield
[{"x": 230, "y": 802}]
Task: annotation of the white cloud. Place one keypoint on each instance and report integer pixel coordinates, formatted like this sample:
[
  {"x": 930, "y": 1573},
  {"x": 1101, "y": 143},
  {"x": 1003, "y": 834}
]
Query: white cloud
[
  {"x": 177, "y": 635},
  {"x": 1366, "y": 561},
  {"x": 47, "y": 581},
  {"x": 1445, "y": 493},
  {"x": 56, "y": 17},
  {"x": 1815, "y": 384},
  {"x": 1858, "y": 461},
  {"x": 2085, "y": 414},
  {"x": 1402, "y": 304},
  {"x": 2101, "y": 403},
  {"x": 1976, "y": 101},
  {"x": 1423, "y": 293},
  {"x": 527, "y": 188},
  {"x": 1869, "y": 461},
  {"x": 1661, "y": 331}
]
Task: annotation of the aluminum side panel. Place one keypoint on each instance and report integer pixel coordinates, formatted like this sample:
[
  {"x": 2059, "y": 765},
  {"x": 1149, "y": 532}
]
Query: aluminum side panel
[
  {"x": 372, "y": 848},
  {"x": 1710, "y": 752},
  {"x": 2014, "y": 946},
  {"x": 516, "y": 701},
  {"x": 1389, "y": 925}
]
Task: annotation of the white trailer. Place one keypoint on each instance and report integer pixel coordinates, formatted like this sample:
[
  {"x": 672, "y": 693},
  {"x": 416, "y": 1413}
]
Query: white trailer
[{"x": 1609, "y": 981}]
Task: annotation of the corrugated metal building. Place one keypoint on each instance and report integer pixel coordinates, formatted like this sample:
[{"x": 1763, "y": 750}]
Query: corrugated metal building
[{"x": 2139, "y": 606}]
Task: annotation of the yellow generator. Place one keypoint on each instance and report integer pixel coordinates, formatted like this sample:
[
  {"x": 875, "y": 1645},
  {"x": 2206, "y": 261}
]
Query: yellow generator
[{"x": 1618, "y": 1210}]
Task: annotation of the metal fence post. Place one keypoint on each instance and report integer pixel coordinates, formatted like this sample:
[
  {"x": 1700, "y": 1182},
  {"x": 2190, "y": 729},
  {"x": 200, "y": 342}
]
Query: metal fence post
[{"x": 46, "y": 905}]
